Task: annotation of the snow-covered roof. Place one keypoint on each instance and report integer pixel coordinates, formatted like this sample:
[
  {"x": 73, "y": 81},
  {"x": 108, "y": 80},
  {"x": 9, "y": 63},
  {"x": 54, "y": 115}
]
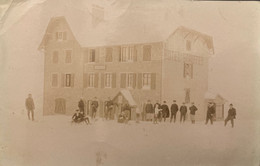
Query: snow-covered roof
[
  {"x": 128, "y": 96},
  {"x": 213, "y": 96}
]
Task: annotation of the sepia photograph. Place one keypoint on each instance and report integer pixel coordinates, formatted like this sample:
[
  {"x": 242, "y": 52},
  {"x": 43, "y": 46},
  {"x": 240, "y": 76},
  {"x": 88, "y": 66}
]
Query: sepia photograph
[{"x": 129, "y": 83}]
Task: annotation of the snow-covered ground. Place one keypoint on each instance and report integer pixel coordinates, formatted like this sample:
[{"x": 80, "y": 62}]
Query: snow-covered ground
[{"x": 53, "y": 141}]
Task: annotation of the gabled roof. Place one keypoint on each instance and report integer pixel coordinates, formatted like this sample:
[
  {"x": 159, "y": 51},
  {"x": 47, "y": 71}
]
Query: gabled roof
[
  {"x": 128, "y": 96},
  {"x": 131, "y": 28},
  {"x": 212, "y": 96}
]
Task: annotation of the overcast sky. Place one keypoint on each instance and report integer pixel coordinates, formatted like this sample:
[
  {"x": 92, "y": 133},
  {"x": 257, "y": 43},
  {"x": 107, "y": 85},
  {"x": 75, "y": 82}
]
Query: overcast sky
[{"x": 234, "y": 26}]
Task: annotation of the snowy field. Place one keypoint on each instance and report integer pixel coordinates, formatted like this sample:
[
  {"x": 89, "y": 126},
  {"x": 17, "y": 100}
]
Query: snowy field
[{"x": 53, "y": 141}]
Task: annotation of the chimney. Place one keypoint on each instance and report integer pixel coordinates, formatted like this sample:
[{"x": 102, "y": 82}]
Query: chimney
[{"x": 97, "y": 15}]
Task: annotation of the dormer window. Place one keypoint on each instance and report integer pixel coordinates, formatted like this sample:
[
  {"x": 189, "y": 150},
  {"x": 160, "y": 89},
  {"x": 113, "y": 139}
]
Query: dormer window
[
  {"x": 61, "y": 36},
  {"x": 188, "y": 45}
]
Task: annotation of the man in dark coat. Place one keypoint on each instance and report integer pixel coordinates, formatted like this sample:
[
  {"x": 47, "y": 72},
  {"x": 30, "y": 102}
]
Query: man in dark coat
[
  {"x": 210, "y": 113},
  {"x": 165, "y": 111},
  {"x": 183, "y": 111},
  {"x": 109, "y": 109},
  {"x": 81, "y": 106},
  {"x": 94, "y": 106},
  {"x": 231, "y": 115},
  {"x": 149, "y": 110},
  {"x": 174, "y": 110},
  {"x": 193, "y": 110},
  {"x": 29, "y": 104}
]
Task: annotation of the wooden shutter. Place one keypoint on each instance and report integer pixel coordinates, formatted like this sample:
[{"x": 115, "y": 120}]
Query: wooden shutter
[
  {"x": 96, "y": 80},
  {"x": 140, "y": 81},
  {"x": 123, "y": 80},
  {"x": 134, "y": 80},
  {"x": 64, "y": 35},
  {"x": 113, "y": 80},
  {"x": 85, "y": 80},
  {"x": 119, "y": 54},
  {"x": 102, "y": 80},
  {"x": 72, "y": 80},
  {"x": 62, "y": 80},
  {"x": 135, "y": 54},
  {"x": 97, "y": 55},
  {"x": 147, "y": 53},
  {"x": 153, "y": 81},
  {"x": 184, "y": 70}
]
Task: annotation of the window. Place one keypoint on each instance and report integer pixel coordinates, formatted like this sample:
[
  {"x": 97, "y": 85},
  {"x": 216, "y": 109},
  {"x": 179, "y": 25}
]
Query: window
[
  {"x": 188, "y": 70},
  {"x": 130, "y": 80},
  {"x": 127, "y": 54},
  {"x": 188, "y": 45},
  {"x": 54, "y": 80},
  {"x": 91, "y": 80},
  {"x": 55, "y": 57},
  {"x": 68, "y": 80},
  {"x": 92, "y": 57},
  {"x": 108, "y": 80},
  {"x": 109, "y": 54},
  {"x": 61, "y": 36},
  {"x": 68, "y": 56},
  {"x": 187, "y": 95},
  {"x": 147, "y": 53},
  {"x": 146, "y": 80}
]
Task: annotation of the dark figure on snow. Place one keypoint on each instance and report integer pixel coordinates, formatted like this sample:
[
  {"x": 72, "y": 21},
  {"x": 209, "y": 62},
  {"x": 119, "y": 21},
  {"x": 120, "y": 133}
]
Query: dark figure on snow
[
  {"x": 79, "y": 117},
  {"x": 210, "y": 113},
  {"x": 165, "y": 111},
  {"x": 149, "y": 110},
  {"x": 109, "y": 109},
  {"x": 174, "y": 110},
  {"x": 231, "y": 115},
  {"x": 94, "y": 106},
  {"x": 183, "y": 111},
  {"x": 193, "y": 110},
  {"x": 159, "y": 116},
  {"x": 29, "y": 104},
  {"x": 81, "y": 106}
]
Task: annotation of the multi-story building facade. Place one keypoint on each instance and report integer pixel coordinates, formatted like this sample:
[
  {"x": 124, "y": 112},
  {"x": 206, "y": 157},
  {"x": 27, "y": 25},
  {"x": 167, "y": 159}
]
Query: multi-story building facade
[{"x": 172, "y": 68}]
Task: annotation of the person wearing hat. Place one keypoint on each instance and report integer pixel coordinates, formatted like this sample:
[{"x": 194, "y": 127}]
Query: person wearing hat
[
  {"x": 29, "y": 104},
  {"x": 149, "y": 111},
  {"x": 174, "y": 110},
  {"x": 165, "y": 111},
  {"x": 210, "y": 113},
  {"x": 81, "y": 106},
  {"x": 183, "y": 111},
  {"x": 94, "y": 106},
  {"x": 231, "y": 115},
  {"x": 193, "y": 110}
]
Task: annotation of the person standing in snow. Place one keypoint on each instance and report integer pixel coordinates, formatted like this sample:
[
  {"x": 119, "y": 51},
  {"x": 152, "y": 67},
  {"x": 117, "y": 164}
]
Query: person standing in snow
[
  {"x": 193, "y": 110},
  {"x": 210, "y": 113},
  {"x": 165, "y": 111},
  {"x": 149, "y": 110},
  {"x": 138, "y": 114},
  {"x": 156, "y": 113},
  {"x": 159, "y": 115},
  {"x": 109, "y": 109},
  {"x": 29, "y": 104},
  {"x": 81, "y": 106},
  {"x": 94, "y": 106},
  {"x": 174, "y": 110},
  {"x": 231, "y": 115},
  {"x": 183, "y": 111}
]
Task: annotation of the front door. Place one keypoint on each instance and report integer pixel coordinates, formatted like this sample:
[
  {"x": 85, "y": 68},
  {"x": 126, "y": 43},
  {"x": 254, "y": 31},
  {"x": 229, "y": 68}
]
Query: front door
[{"x": 60, "y": 106}]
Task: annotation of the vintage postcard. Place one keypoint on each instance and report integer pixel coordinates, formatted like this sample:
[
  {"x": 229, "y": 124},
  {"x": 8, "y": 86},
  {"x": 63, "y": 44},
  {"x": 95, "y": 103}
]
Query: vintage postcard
[{"x": 129, "y": 83}]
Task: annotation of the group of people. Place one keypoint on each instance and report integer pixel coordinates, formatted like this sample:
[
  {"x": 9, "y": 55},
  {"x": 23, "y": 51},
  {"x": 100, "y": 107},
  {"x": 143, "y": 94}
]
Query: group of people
[{"x": 160, "y": 112}]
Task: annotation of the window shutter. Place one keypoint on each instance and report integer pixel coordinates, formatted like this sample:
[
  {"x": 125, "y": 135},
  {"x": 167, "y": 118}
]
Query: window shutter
[
  {"x": 85, "y": 80},
  {"x": 135, "y": 54},
  {"x": 153, "y": 81},
  {"x": 96, "y": 55},
  {"x": 114, "y": 80},
  {"x": 85, "y": 54},
  {"x": 72, "y": 79},
  {"x": 134, "y": 80},
  {"x": 64, "y": 35},
  {"x": 139, "y": 83},
  {"x": 96, "y": 80},
  {"x": 191, "y": 71},
  {"x": 57, "y": 35},
  {"x": 119, "y": 54},
  {"x": 62, "y": 80},
  {"x": 123, "y": 80},
  {"x": 184, "y": 70},
  {"x": 102, "y": 80}
]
